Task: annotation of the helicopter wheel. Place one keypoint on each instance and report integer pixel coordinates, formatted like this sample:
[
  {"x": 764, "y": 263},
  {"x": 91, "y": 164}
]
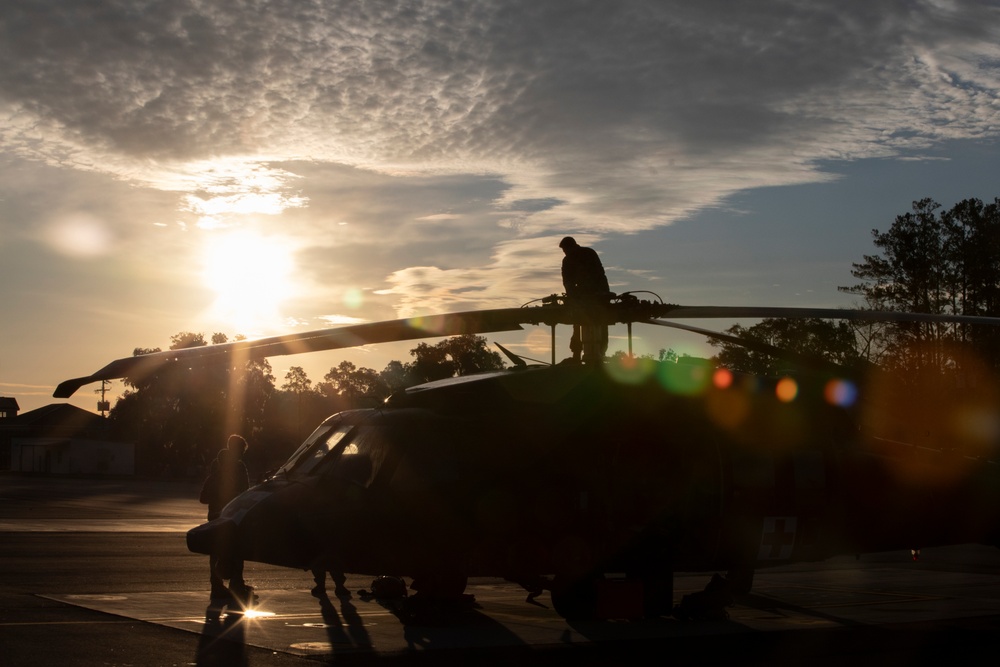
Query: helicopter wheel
[
  {"x": 658, "y": 594},
  {"x": 575, "y": 598},
  {"x": 740, "y": 580},
  {"x": 442, "y": 586}
]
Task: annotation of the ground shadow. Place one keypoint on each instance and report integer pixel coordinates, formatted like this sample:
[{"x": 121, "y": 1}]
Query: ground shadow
[{"x": 223, "y": 639}]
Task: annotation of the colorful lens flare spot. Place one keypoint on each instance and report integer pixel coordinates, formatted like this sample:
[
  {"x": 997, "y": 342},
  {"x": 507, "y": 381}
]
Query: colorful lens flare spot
[
  {"x": 353, "y": 298},
  {"x": 722, "y": 378},
  {"x": 688, "y": 378},
  {"x": 786, "y": 390},
  {"x": 631, "y": 370},
  {"x": 841, "y": 393},
  {"x": 728, "y": 409}
]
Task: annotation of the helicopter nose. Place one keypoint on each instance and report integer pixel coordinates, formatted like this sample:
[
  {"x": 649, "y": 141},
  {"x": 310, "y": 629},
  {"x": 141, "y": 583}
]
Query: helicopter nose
[
  {"x": 260, "y": 526},
  {"x": 209, "y": 537}
]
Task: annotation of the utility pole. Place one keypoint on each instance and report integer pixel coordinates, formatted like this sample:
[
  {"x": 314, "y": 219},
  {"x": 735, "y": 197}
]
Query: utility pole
[{"x": 103, "y": 405}]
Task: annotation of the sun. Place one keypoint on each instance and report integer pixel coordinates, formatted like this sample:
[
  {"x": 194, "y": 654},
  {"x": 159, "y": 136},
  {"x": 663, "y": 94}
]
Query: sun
[{"x": 251, "y": 276}]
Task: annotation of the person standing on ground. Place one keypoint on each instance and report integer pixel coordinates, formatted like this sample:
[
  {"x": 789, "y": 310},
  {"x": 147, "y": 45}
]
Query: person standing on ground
[
  {"x": 227, "y": 478},
  {"x": 339, "y": 581}
]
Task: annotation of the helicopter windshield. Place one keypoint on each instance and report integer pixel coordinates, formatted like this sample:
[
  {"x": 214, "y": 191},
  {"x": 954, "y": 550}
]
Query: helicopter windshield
[
  {"x": 362, "y": 458},
  {"x": 315, "y": 449}
]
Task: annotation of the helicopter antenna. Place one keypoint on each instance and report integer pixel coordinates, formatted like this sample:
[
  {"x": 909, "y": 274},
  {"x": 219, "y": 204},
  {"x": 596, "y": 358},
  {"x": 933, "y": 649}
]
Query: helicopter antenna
[{"x": 517, "y": 359}]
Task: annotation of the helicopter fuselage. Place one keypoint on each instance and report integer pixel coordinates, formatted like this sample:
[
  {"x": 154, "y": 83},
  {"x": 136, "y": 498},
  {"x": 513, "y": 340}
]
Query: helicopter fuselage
[{"x": 566, "y": 473}]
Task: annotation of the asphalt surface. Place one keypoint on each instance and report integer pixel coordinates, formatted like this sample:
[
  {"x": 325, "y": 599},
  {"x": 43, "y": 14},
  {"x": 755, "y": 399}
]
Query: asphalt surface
[{"x": 96, "y": 572}]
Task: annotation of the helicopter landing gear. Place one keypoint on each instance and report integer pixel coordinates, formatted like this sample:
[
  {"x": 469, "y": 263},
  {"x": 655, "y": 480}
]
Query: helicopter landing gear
[
  {"x": 575, "y": 598},
  {"x": 442, "y": 586},
  {"x": 740, "y": 580},
  {"x": 437, "y": 597},
  {"x": 595, "y": 596},
  {"x": 657, "y": 594}
]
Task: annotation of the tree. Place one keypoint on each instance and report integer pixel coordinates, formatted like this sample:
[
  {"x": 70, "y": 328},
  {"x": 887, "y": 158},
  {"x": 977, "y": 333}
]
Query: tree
[
  {"x": 186, "y": 339},
  {"x": 395, "y": 376},
  {"x": 255, "y": 384},
  {"x": 973, "y": 248},
  {"x": 296, "y": 381},
  {"x": 458, "y": 355},
  {"x": 914, "y": 275},
  {"x": 290, "y": 414},
  {"x": 621, "y": 356},
  {"x": 470, "y": 354},
  {"x": 359, "y": 386},
  {"x": 939, "y": 263},
  {"x": 430, "y": 362},
  {"x": 806, "y": 338},
  {"x": 179, "y": 415}
]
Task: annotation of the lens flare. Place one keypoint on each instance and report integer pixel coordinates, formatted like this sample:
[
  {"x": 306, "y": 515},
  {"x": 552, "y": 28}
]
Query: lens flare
[
  {"x": 80, "y": 236},
  {"x": 353, "y": 298},
  {"x": 842, "y": 393},
  {"x": 978, "y": 426},
  {"x": 722, "y": 378},
  {"x": 786, "y": 390},
  {"x": 630, "y": 370},
  {"x": 688, "y": 378},
  {"x": 728, "y": 409}
]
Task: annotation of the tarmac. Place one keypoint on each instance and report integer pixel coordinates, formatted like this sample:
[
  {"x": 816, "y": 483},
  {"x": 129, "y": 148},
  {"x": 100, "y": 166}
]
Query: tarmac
[
  {"x": 876, "y": 609},
  {"x": 292, "y": 621}
]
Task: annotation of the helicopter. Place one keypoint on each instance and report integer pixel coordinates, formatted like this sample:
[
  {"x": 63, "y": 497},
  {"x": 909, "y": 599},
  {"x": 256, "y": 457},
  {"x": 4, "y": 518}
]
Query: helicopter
[{"x": 571, "y": 478}]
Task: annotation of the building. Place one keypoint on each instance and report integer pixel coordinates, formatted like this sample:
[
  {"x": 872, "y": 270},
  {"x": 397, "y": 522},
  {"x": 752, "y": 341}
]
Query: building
[
  {"x": 8, "y": 407},
  {"x": 60, "y": 439}
]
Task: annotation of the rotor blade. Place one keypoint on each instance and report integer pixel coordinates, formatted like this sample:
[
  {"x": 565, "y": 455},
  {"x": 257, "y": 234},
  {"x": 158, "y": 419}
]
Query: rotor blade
[
  {"x": 806, "y": 360},
  {"x": 756, "y": 346},
  {"x": 473, "y": 322},
  {"x": 736, "y": 312}
]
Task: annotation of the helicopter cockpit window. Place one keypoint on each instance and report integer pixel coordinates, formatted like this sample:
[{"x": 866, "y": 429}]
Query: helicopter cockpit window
[
  {"x": 315, "y": 449},
  {"x": 361, "y": 459}
]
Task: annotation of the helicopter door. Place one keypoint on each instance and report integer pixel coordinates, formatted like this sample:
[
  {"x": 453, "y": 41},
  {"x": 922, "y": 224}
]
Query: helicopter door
[{"x": 355, "y": 509}]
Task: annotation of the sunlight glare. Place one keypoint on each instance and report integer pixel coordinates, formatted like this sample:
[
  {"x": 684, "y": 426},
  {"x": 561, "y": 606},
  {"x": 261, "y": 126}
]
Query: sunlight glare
[{"x": 251, "y": 276}]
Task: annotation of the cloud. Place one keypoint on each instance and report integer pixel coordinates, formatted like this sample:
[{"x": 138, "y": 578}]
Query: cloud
[
  {"x": 522, "y": 266},
  {"x": 642, "y": 100},
  {"x": 441, "y": 132}
]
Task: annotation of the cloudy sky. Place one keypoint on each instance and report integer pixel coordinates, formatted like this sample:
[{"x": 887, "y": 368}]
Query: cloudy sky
[{"x": 260, "y": 167}]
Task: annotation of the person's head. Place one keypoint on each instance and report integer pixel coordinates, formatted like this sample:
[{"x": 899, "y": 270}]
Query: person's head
[
  {"x": 237, "y": 445},
  {"x": 567, "y": 244}
]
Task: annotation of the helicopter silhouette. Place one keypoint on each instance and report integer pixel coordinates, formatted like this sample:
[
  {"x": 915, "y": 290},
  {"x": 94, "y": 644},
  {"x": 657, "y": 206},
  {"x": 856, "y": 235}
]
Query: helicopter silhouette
[{"x": 565, "y": 477}]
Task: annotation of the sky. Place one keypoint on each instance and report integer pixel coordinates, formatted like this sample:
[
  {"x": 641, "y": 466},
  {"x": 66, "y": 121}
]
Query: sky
[{"x": 256, "y": 168}]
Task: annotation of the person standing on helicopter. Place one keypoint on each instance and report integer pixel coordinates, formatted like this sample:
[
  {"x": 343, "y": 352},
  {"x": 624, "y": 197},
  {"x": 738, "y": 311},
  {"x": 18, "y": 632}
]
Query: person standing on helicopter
[{"x": 586, "y": 286}]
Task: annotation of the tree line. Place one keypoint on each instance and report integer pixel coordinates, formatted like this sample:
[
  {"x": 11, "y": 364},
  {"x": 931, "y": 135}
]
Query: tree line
[
  {"x": 930, "y": 260},
  {"x": 928, "y": 383},
  {"x": 179, "y": 418}
]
